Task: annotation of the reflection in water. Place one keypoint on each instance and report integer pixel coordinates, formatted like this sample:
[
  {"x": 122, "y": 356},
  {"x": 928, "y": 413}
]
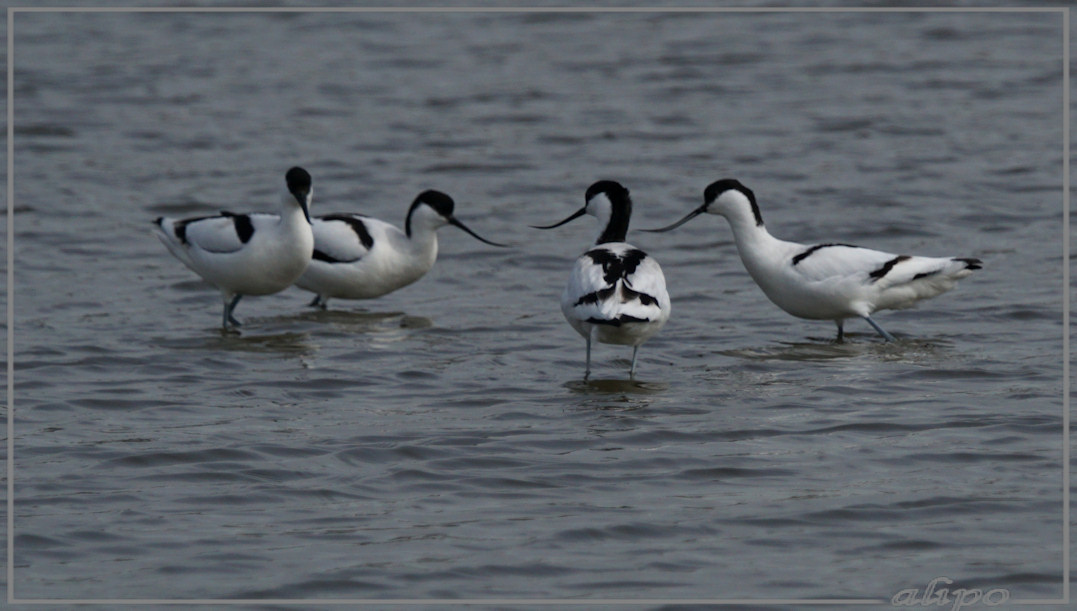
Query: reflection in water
[
  {"x": 620, "y": 402},
  {"x": 607, "y": 387},
  {"x": 352, "y": 321},
  {"x": 289, "y": 342},
  {"x": 902, "y": 350},
  {"x": 382, "y": 328},
  {"x": 348, "y": 317}
]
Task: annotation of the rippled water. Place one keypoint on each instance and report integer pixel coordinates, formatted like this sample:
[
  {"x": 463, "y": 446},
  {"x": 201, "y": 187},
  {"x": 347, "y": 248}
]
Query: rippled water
[{"x": 440, "y": 442}]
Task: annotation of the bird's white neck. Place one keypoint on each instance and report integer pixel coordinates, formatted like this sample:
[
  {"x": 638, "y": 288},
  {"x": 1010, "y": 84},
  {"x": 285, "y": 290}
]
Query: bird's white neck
[
  {"x": 291, "y": 214},
  {"x": 755, "y": 245},
  {"x": 422, "y": 244},
  {"x": 744, "y": 224}
]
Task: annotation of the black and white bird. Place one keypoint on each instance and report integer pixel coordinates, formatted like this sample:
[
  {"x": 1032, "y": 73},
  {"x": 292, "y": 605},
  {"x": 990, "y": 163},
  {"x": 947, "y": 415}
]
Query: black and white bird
[
  {"x": 359, "y": 257},
  {"x": 616, "y": 293},
  {"x": 829, "y": 281},
  {"x": 247, "y": 254}
]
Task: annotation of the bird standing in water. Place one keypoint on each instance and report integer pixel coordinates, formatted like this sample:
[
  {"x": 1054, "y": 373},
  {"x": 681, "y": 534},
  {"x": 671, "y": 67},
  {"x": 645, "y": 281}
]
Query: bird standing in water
[
  {"x": 829, "y": 281},
  {"x": 616, "y": 293},
  {"x": 247, "y": 254},
  {"x": 359, "y": 257}
]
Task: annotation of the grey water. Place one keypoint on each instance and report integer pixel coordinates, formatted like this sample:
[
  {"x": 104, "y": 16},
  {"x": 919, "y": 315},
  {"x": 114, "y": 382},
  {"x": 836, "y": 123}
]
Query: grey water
[{"x": 440, "y": 442}]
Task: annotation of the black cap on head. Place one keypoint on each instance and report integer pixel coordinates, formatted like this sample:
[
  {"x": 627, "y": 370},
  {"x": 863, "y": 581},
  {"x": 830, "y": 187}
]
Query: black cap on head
[
  {"x": 716, "y": 188},
  {"x": 443, "y": 205},
  {"x": 298, "y": 180},
  {"x": 613, "y": 190},
  {"x": 440, "y": 202},
  {"x": 299, "y": 185}
]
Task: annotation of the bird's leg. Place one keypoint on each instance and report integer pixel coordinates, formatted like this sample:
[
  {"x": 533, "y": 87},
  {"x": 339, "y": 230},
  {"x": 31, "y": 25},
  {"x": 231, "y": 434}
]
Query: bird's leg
[
  {"x": 841, "y": 330},
  {"x": 587, "y": 368},
  {"x": 318, "y": 302},
  {"x": 632, "y": 370},
  {"x": 228, "y": 319},
  {"x": 886, "y": 336}
]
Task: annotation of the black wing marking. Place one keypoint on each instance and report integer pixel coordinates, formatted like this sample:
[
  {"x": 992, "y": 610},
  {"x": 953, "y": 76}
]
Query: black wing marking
[
  {"x": 616, "y": 267},
  {"x": 628, "y": 294},
  {"x": 357, "y": 226},
  {"x": 970, "y": 263},
  {"x": 800, "y": 257},
  {"x": 616, "y": 322},
  {"x": 179, "y": 228},
  {"x": 318, "y": 255},
  {"x": 886, "y": 267},
  {"x": 243, "y": 224},
  {"x": 596, "y": 296}
]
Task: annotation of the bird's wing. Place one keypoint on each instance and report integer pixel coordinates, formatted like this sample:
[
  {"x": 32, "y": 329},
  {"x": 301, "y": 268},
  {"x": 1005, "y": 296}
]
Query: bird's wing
[
  {"x": 909, "y": 269},
  {"x": 834, "y": 261},
  {"x": 827, "y": 262},
  {"x": 649, "y": 282},
  {"x": 586, "y": 287},
  {"x": 342, "y": 238},
  {"x": 224, "y": 233},
  {"x": 615, "y": 284}
]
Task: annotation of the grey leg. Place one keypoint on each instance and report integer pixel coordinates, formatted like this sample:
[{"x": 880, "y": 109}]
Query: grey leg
[
  {"x": 228, "y": 318},
  {"x": 886, "y": 336},
  {"x": 841, "y": 330},
  {"x": 587, "y": 368},
  {"x": 632, "y": 370}
]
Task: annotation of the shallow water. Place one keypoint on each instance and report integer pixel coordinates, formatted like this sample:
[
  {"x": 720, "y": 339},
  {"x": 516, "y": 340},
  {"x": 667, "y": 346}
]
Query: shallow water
[{"x": 440, "y": 442}]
